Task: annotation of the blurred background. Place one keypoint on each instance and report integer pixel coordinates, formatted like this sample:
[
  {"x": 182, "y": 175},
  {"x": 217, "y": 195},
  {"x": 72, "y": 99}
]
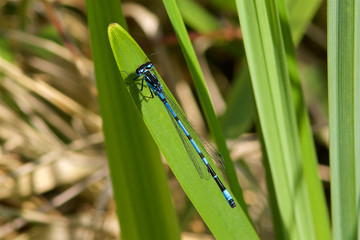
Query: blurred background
[{"x": 54, "y": 180}]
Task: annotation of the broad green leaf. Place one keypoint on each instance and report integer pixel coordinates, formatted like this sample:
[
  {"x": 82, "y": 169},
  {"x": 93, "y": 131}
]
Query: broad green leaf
[
  {"x": 344, "y": 118},
  {"x": 223, "y": 221},
  {"x": 139, "y": 183},
  {"x": 269, "y": 72}
]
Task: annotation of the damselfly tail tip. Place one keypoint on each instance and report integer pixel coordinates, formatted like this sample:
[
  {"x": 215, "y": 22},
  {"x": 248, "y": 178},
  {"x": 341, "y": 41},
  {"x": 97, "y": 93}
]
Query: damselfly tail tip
[{"x": 232, "y": 203}]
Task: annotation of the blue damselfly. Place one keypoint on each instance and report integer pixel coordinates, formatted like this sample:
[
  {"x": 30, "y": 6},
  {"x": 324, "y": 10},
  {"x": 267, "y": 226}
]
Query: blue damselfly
[{"x": 191, "y": 142}]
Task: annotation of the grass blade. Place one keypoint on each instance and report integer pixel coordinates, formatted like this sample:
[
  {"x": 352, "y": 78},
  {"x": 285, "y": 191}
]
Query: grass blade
[
  {"x": 235, "y": 122},
  {"x": 301, "y": 13},
  {"x": 316, "y": 193},
  {"x": 223, "y": 221},
  {"x": 139, "y": 183},
  {"x": 271, "y": 83},
  {"x": 213, "y": 122},
  {"x": 197, "y": 17},
  {"x": 343, "y": 68}
]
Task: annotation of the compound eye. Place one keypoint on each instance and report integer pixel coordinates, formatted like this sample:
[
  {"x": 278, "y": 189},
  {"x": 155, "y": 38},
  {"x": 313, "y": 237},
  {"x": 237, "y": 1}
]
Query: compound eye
[
  {"x": 149, "y": 65},
  {"x": 139, "y": 71}
]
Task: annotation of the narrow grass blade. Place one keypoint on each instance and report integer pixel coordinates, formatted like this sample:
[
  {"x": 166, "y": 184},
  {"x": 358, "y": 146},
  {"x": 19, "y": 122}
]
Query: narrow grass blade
[
  {"x": 224, "y": 222},
  {"x": 265, "y": 52},
  {"x": 197, "y": 17},
  {"x": 139, "y": 183},
  {"x": 235, "y": 122},
  {"x": 343, "y": 68},
  {"x": 301, "y": 14},
  {"x": 357, "y": 108},
  {"x": 318, "y": 204},
  {"x": 213, "y": 122}
]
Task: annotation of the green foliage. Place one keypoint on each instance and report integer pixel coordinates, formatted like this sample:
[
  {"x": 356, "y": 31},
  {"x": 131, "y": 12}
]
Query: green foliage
[
  {"x": 50, "y": 102},
  {"x": 223, "y": 221},
  {"x": 199, "y": 81},
  {"x": 139, "y": 183},
  {"x": 284, "y": 125},
  {"x": 198, "y": 17},
  {"x": 344, "y": 115}
]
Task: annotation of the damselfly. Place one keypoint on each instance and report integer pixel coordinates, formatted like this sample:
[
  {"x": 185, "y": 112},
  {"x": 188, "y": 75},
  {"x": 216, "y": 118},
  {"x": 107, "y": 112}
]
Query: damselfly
[{"x": 191, "y": 143}]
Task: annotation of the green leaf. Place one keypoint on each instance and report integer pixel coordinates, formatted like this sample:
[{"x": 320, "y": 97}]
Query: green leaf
[
  {"x": 301, "y": 14},
  {"x": 223, "y": 221},
  {"x": 266, "y": 56},
  {"x": 226, "y": 5},
  {"x": 344, "y": 115},
  {"x": 139, "y": 183},
  {"x": 197, "y": 17},
  {"x": 5, "y": 51},
  {"x": 320, "y": 217},
  {"x": 235, "y": 122},
  {"x": 200, "y": 86}
]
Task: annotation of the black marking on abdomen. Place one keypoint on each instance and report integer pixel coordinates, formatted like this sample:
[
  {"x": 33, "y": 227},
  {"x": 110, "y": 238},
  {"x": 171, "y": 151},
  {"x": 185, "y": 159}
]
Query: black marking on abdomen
[{"x": 217, "y": 180}]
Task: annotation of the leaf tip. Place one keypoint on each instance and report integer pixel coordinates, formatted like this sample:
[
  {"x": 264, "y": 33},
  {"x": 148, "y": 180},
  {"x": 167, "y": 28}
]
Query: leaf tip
[{"x": 112, "y": 26}]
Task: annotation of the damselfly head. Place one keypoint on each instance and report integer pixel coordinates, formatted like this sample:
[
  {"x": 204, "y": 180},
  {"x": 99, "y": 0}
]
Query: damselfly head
[
  {"x": 149, "y": 65},
  {"x": 143, "y": 68}
]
